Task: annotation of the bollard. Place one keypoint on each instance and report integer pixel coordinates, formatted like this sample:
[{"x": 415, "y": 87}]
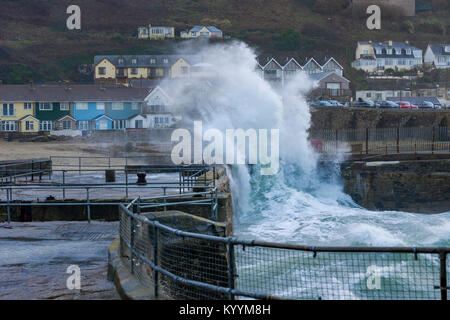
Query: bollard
[
  {"x": 110, "y": 176},
  {"x": 141, "y": 178}
]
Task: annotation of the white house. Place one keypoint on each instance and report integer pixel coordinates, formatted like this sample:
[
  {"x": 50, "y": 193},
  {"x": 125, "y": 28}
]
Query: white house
[
  {"x": 438, "y": 55},
  {"x": 379, "y": 56},
  {"x": 273, "y": 70},
  {"x": 382, "y": 95},
  {"x": 202, "y": 31},
  {"x": 157, "y": 112}
]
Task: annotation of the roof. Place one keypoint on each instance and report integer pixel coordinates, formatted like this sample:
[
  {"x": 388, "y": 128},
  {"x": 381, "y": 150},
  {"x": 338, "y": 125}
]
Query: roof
[
  {"x": 322, "y": 75},
  {"x": 439, "y": 49},
  {"x": 395, "y": 45},
  {"x": 28, "y": 116},
  {"x": 102, "y": 116},
  {"x": 72, "y": 93},
  {"x": 143, "y": 60},
  {"x": 210, "y": 28}
]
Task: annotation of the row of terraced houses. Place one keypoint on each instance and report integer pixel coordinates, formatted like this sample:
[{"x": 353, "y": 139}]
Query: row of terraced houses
[{"x": 77, "y": 108}]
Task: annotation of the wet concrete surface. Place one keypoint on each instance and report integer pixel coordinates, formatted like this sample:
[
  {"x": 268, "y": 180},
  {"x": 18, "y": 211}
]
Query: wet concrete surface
[
  {"x": 158, "y": 180},
  {"x": 34, "y": 258}
]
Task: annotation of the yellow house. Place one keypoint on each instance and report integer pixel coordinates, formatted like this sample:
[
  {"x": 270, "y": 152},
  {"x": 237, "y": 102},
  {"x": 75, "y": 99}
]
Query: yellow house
[
  {"x": 123, "y": 69},
  {"x": 161, "y": 32},
  {"x": 12, "y": 113},
  {"x": 28, "y": 124},
  {"x": 105, "y": 69}
]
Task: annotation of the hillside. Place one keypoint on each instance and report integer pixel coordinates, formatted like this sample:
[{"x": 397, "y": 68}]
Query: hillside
[{"x": 40, "y": 48}]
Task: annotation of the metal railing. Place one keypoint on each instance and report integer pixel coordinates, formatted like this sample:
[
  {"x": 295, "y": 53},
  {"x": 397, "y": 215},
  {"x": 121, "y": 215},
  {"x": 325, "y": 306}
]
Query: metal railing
[
  {"x": 176, "y": 264},
  {"x": 369, "y": 141}
]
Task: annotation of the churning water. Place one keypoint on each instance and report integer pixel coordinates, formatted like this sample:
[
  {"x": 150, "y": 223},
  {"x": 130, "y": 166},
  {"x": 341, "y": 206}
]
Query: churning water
[{"x": 302, "y": 204}]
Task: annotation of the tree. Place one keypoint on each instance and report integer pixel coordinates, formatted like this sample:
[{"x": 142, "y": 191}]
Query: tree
[{"x": 288, "y": 40}]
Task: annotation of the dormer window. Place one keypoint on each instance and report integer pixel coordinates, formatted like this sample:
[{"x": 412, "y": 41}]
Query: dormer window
[
  {"x": 120, "y": 60},
  {"x": 134, "y": 61},
  {"x": 399, "y": 52},
  {"x": 389, "y": 51},
  {"x": 447, "y": 48},
  {"x": 378, "y": 51},
  {"x": 408, "y": 51},
  {"x": 165, "y": 60},
  {"x": 152, "y": 60}
]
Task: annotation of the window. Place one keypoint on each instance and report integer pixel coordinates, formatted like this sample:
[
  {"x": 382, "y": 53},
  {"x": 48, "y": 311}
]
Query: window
[
  {"x": 134, "y": 71},
  {"x": 64, "y": 106},
  {"x": 165, "y": 60},
  {"x": 82, "y": 105},
  {"x": 29, "y": 125},
  {"x": 67, "y": 125},
  {"x": 389, "y": 51},
  {"x": 118, "y": 124},
  {"x": 8, "y": 109},
  {"x": 152, "y": 60},
  {"x": 365, "y": 52},
  {"x": 184, "y": 70},
  {"x": 8, "y": 126},
  {"x": 100, "y": 106},
  {"x": 408, "y": 51},
  {"x": 45, "y": 106},
  {"x": 134, "y": 61},
  {"x": 135, "y": 106},
  {"x": 46, "y": 126},
  {"x": 120, "y": 60},
  {"x": 83, "y": 125},
  {"x": 139, "y": 124},
  {"x": 102, "y": 70},
  {"x": 368, "y": 95},
  {"x": 27, "y": 106},
  {"x": 117, "y": 106}
]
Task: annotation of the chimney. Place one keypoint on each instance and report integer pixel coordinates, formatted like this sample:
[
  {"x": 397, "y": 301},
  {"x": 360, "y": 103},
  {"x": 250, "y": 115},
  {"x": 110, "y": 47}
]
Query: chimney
[
  {"x": 390, "y": 43},
  {"x": 407, "y": 41}
]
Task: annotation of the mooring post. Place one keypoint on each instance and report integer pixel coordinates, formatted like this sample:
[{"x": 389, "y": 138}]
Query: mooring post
[{"x": 443, "y": 273}]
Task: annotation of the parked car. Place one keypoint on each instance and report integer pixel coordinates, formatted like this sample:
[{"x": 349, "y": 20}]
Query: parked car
[
  {"x": 426, "y": 105},
  {"x": 405, "y": 105},
  {"x": 364, "y": 103},
  {"x": 415, "y": 107},
  {"x": 388, "y": 105},
  {"x": 321, "y": 103},
  {"x": 335, "y": 103},
  {"x": 437, "y": 107}
]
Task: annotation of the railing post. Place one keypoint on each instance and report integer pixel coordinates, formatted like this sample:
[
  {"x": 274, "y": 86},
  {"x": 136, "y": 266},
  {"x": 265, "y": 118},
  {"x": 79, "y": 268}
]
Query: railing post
[
  {"x": 155, "y": 260},
  {"x": 88, "y": 205},
  {"x": 8, "y": 208},
  {"x": 398, "y": 139},
  {"x": 131, "y": 244},
  {"x": 165, "y": 200},
  {"x": 433, "y": 138},
  {"x": 231, "y": 275},
  {"x": 126, "y": 183},
  {"x": 443, "y": 273},
  {"x": 64, "y": 184},
  {"x": 367, "y": 140},
  {"x": 79, "y": 164}
]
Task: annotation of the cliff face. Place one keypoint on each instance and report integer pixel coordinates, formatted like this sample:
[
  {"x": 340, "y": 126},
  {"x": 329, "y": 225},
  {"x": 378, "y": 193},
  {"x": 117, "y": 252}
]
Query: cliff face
[{"x": 360, "y": 118}]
